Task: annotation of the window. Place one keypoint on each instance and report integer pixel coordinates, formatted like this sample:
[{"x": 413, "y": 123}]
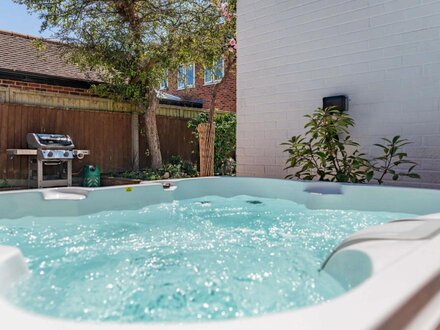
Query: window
[
  {"x": 186, "y": 76},
  {"x": 164, "y": 82},
  {"x": 216, "y": 73}
]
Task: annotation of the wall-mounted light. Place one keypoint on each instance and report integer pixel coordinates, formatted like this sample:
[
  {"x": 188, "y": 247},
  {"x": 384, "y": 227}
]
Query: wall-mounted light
[{"x": 338, "y": 101}]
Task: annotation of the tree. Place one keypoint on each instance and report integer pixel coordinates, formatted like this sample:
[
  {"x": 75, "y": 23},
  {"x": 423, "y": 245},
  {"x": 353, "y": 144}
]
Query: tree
[
  {"x": 222, "y": 44},
  {"x": 129, "y": 45},
  {"x": 218, "y": 42}
]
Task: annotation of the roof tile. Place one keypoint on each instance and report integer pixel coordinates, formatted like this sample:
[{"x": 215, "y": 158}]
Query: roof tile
[{"x": 17, "y": 53}]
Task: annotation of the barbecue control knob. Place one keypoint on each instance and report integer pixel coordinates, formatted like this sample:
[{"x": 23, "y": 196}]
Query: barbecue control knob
[
  {"x": 66, "y": 154},
  {"x": 50, "y": 154}
]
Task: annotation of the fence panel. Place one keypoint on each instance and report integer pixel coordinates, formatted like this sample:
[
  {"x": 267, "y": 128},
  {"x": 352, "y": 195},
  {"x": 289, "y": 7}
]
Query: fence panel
[
  {"x": 106, "y": 134},
  {"x": 175, "y": 139}
]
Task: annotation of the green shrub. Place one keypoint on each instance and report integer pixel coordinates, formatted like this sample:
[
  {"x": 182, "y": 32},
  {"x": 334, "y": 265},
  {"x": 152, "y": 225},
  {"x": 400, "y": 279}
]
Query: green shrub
[
  {"x": 176, "y": 168},
  {"x": 327, "y": 152},
  {"x": 392, "y": 158},
  {"x": 4, "y": 183},
  {"x": 225, "y": 140}
]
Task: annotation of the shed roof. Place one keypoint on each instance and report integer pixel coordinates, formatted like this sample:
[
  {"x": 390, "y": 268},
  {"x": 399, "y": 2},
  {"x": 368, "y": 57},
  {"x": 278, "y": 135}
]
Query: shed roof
[{"x": 18, "y": 54}]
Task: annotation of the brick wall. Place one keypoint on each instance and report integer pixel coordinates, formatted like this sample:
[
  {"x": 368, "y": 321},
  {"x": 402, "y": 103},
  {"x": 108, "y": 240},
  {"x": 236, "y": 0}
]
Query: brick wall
[
  {"x": 226, "y": 97},
  {"x": 43, "y": 87},
  {"x": 383, "y": 54}
]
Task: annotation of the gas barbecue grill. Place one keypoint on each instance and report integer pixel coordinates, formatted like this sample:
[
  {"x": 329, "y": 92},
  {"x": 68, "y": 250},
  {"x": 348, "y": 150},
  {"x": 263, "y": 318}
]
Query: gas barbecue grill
[{"x": 55, "y": 150}]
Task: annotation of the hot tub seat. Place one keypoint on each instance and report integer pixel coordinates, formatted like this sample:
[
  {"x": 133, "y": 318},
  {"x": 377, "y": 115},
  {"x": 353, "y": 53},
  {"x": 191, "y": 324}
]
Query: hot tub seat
[{"x": 368, "y": 251}]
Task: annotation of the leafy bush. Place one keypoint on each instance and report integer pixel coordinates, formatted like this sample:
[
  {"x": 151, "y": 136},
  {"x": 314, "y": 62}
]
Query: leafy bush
[
  {"x": 225, "y": 140},
  {"x": 392, "y": 158},
  {"x": 321, "y": 154},
  {"x": 4, "y": 183},
  {"x": 176, "y": 168},
  {"x": 327, "y": 152}
]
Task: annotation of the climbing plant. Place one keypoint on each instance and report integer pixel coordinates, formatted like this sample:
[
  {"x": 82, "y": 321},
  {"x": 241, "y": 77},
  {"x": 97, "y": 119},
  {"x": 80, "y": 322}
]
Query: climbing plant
[{"x": 224, "y": 142}]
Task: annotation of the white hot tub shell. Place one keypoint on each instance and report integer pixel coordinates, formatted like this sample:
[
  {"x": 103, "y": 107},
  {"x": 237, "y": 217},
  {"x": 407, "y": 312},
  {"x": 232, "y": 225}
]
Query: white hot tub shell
[{"x": 394, "y": 268}]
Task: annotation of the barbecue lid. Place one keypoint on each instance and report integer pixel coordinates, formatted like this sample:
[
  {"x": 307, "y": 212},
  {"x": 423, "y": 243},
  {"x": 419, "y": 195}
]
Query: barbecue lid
[{"x": 43, "y": 140}]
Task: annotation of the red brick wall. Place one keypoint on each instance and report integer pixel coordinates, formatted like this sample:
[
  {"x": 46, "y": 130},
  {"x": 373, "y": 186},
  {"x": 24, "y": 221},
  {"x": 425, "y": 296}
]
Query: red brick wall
[
  {"x": 226, "y": 97},
  {"x": 43, "y": 87}
]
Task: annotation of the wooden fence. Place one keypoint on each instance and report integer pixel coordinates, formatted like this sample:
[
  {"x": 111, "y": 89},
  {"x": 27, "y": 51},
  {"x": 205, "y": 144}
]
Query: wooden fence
[
  {"x": 108, "y": 135},
  {"x": 175, "y": 139}
]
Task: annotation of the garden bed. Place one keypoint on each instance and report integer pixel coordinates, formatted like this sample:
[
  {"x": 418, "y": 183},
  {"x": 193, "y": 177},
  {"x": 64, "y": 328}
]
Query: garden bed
[
  {"x": 118, "y": 181},
  {"x": 7, "y": 188},
  {"x": 176, "y": 168}
]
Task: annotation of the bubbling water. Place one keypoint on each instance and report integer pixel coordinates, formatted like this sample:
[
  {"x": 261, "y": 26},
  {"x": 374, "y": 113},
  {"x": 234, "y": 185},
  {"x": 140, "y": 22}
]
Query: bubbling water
[{"x": 207, "y": 258}]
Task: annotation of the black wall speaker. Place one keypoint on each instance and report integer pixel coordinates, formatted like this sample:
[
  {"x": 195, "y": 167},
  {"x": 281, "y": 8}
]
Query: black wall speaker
[{"x": 338, "y": 101}]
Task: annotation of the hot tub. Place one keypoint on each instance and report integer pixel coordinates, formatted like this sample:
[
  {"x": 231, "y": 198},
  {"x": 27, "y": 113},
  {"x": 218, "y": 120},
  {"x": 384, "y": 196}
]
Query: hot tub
[{"x": 220, "y": 253}]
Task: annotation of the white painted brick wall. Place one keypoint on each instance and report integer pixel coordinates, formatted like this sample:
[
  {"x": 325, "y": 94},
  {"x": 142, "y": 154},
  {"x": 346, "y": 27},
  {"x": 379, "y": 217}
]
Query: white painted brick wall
[{"x": 383, "y": 54}]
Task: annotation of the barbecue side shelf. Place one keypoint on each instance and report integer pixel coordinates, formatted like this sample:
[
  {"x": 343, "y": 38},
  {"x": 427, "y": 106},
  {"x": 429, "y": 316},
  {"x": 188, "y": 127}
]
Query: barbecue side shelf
[
  {"x": 36, "y": 165},
  {"x": 33, "y": 152}
]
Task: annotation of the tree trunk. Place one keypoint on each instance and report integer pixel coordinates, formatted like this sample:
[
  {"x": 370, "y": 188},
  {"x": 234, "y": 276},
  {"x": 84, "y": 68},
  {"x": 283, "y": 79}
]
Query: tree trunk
[
  {"x": 206, "y": 148},
  {"x": 151, "y": 130},
  {"x": 209, "y": 130},
  {"x": 207, "y": 138}
]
